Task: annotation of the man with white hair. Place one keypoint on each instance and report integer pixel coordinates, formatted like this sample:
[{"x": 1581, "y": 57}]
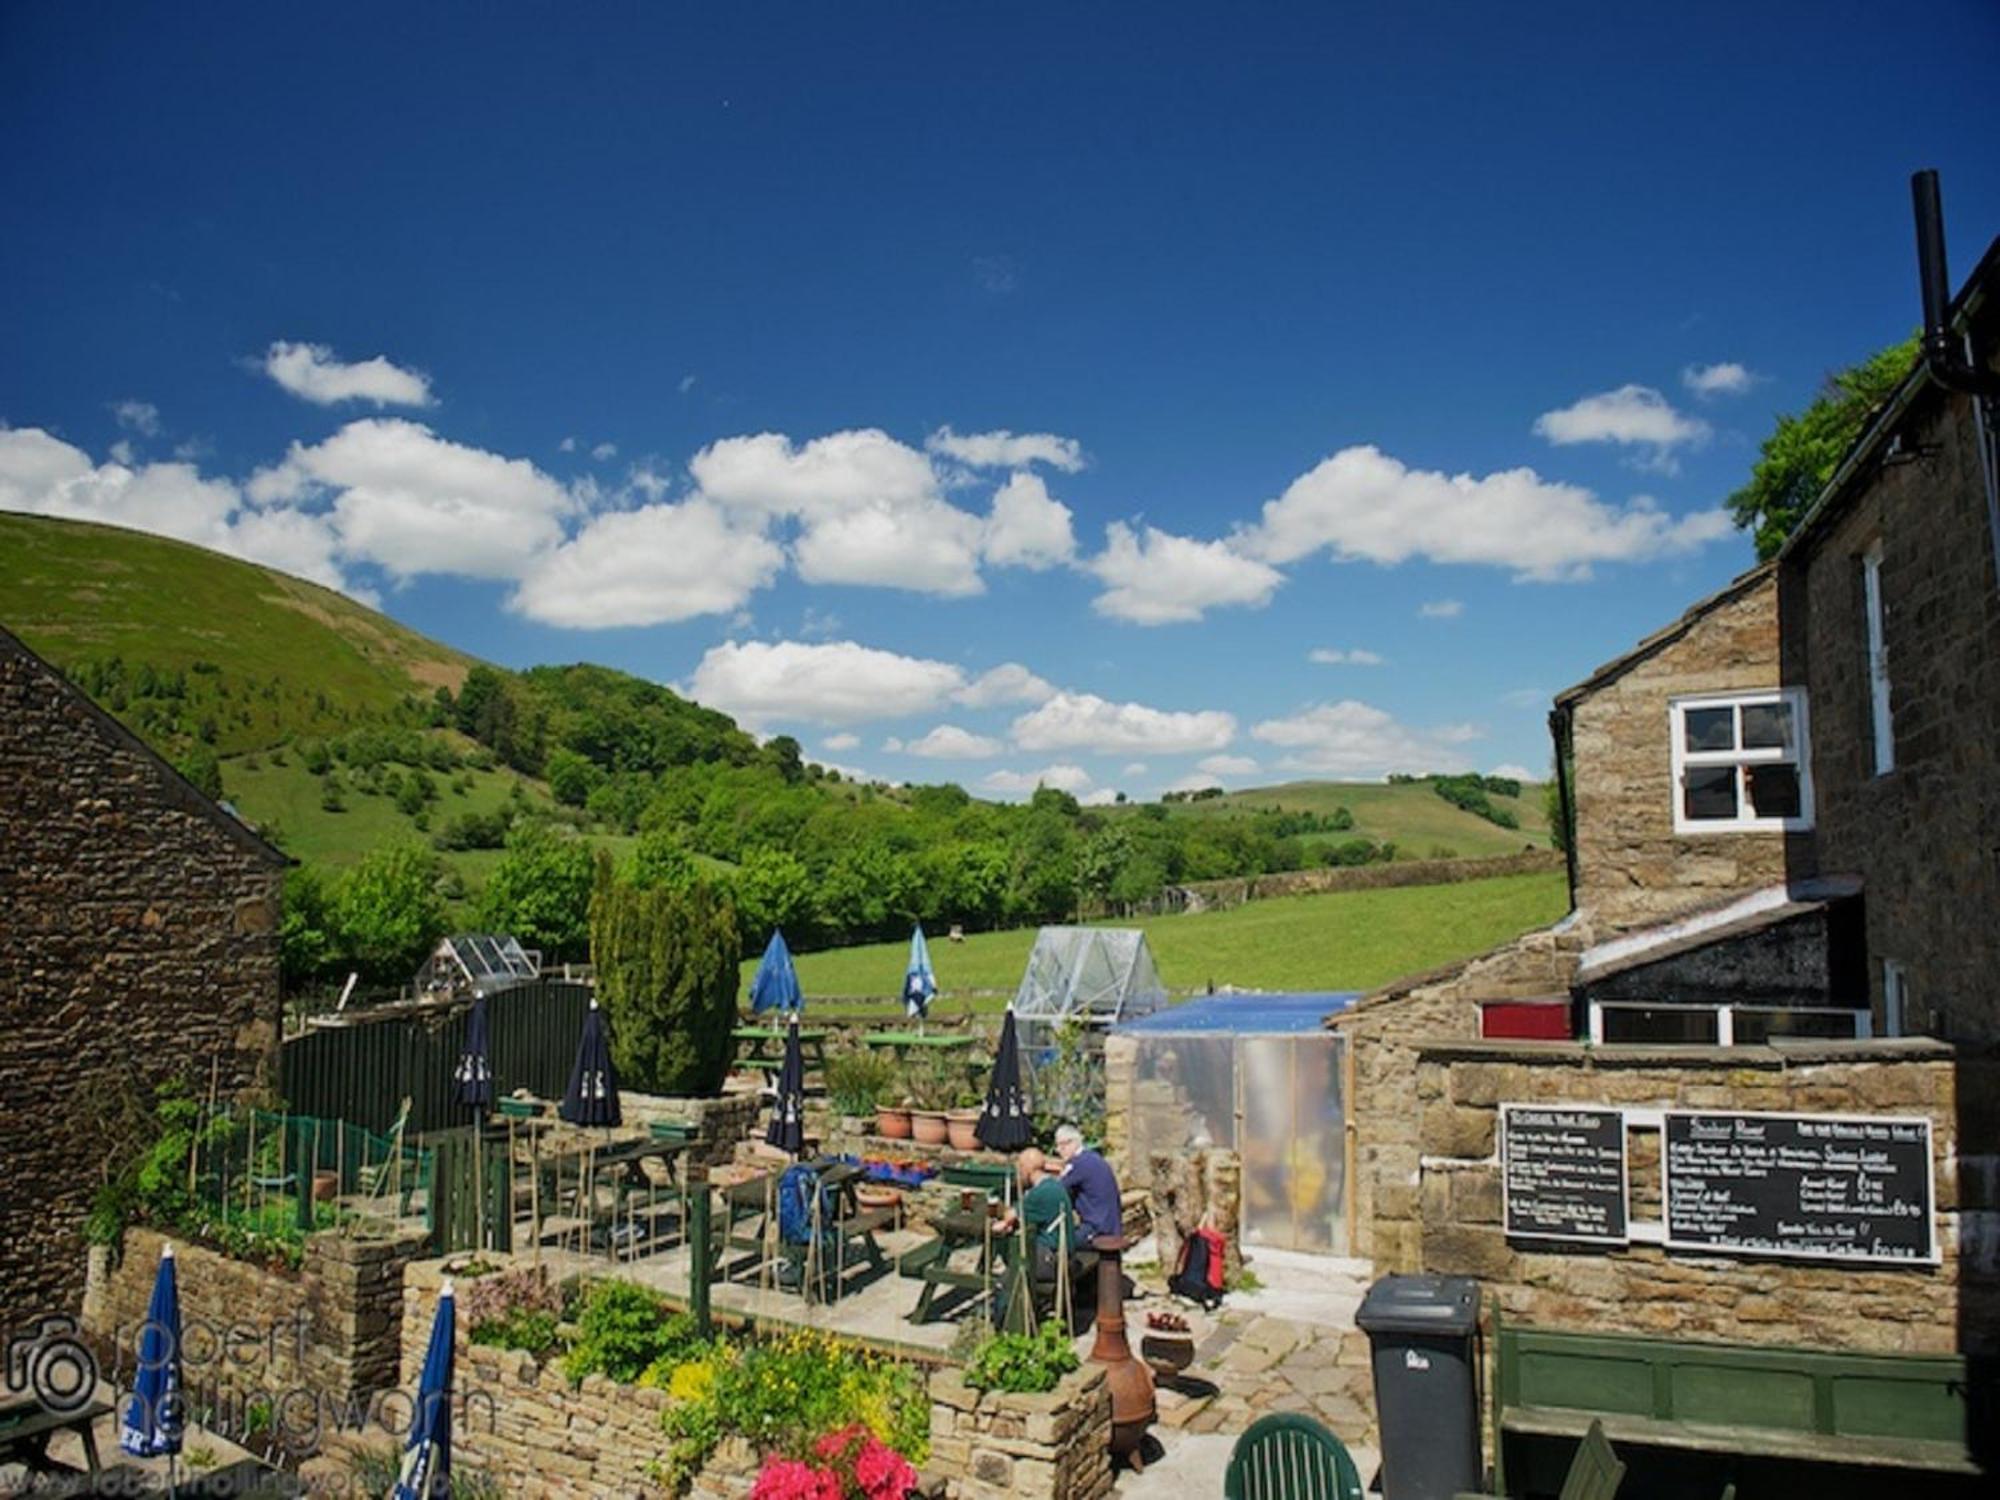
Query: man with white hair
[{"x": 1093, "y": 1186}]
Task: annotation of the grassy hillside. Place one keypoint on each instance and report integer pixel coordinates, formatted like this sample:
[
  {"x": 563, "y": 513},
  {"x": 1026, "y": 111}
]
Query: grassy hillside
[
  {"x": 262, "y": 656},
  {"x": 1413, "y": 817},
  {"x": 1345, "y": 940}
]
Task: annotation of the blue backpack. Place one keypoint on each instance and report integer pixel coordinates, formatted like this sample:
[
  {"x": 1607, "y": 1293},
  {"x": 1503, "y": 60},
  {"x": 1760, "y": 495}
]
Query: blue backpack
[{"x": 798, "y": 1190}]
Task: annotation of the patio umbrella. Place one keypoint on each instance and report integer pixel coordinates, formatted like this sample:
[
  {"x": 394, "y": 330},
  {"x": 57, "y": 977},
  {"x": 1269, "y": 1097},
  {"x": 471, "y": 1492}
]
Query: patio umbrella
[
  {"x": 919, "y": 983},
  {"x": 472, "y": 1079},
  {"x": 156, "y": 1414},
  {"x": 472, "y": 1086},
  {"x": 775, "y": 985},
  {"x": 426, "y": 1472},
  {"x": 592, "y": 1095},
  {"x": 788, "y": 1107},
  {"x": 1004, "y": 1124}
]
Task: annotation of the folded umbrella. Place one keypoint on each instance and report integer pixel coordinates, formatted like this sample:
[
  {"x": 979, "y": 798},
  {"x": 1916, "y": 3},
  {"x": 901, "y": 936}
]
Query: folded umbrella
[
  {"x": 1004, "y": 1124},
  {"x": 788, "y": 1107},
  {"x": 156, "y": 1415},
  {"x": 592, "y": 1095},
  {"x": 426, "y": 1471},
  {"x": 919, "y": 982},
  {"x": 775, "y": 985}
]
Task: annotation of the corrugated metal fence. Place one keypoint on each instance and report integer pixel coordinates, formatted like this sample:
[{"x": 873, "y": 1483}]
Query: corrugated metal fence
[{"x": 362, "y": 1072}]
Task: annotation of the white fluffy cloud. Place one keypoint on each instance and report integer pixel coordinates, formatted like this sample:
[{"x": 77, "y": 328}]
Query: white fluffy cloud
[
  {"x": 1440, "y": 609},
  {"x": 1335, "y": 656},
  {"x": 1007, "y": 450},
  {"x": 1227, "y": 765},
  {"x": 870, "y": 508},
  {"x": 1157, "y": 578},
  {"x": 1632, "y": 415},
  {"x": 840, "y": 742},
  {"x": 1361, "y": 503},
  {"x": 1010, "y": 682},
  {"x": 949, "y": 742},
  {"x": 313, "y": 373},
  {"x": 1027, "y": 527},
  {"x": 42, "y": 475},
  {"x": 1083, "y": 721},
  {"x": 830, "y": 682},
  {"x": 648, "y": 566},
  {"x": 1350, "y": 738},
  {"x": 1726, "y": 378},
  {"x": 417, "y": 503},
  {"x": 1063, "y": 776},
  {"x": 1515, "y": 772}
]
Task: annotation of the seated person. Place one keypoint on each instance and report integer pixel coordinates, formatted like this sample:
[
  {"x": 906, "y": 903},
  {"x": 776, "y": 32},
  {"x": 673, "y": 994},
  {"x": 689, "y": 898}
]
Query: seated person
[
  {"x": 1092, "y": 1185},
  {"x": 1045, "y": 1209}
]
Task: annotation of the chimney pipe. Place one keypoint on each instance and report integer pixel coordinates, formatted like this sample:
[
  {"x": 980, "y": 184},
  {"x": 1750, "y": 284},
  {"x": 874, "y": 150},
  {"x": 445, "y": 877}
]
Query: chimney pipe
[{"x": 1941, "y": 351}]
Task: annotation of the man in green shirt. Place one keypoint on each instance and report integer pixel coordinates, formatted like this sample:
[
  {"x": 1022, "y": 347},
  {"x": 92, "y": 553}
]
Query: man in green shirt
[{"x": 1045, "y": 1212}]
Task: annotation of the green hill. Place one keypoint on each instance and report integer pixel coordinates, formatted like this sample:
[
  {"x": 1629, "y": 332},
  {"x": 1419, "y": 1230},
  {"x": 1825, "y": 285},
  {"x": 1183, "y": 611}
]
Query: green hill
[{"x": 1410, "y": 815}]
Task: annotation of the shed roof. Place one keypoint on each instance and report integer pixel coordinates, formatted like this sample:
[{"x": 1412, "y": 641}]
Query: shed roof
[{"x": 176, "y": 787}]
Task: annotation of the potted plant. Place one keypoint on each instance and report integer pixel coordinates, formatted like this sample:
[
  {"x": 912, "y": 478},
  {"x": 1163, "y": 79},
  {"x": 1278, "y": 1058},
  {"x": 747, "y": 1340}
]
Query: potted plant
[
  {"x": 857, "y": 1082},
  {"x": 933, "y": 1091},
  {"x": 962, "y": 1124}
]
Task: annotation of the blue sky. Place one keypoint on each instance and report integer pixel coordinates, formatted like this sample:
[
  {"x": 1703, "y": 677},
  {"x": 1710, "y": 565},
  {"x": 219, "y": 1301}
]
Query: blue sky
[{"x": 684, "y": 339}]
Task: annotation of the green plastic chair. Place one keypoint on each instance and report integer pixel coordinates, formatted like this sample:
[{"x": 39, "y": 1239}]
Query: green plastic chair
[
  {"x": 1290, "y": 1457},
  {"x": 1596, "y": 1472}
]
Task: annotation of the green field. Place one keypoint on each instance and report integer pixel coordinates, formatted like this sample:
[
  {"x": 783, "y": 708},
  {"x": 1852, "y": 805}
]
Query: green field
[
  {"x": 1345, "y": 940},
  {"x": 1420, "y": 823}
]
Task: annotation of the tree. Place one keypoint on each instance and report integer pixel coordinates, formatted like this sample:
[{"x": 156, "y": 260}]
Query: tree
[
  {"x": 1800, "y": 455},
  {"x": 572, "y": 778},
  {"x": 662, "y": 859},
  {"x": 388, "y": 913},
  {"x": 540, "y": 892},
  {"x": 200, "y": 766},
  {"x": 773, "y": 889},
  {"x": 305, "y": 929},
  {"x": 666, "y": 962}
]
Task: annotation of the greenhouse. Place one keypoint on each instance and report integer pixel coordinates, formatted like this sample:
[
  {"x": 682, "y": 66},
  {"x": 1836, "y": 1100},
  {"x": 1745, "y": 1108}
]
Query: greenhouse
[
  {"x": 1262, "y": 1076},
  {"x": 476, "y": 963},
  {"x": 1096, "y": 975}
]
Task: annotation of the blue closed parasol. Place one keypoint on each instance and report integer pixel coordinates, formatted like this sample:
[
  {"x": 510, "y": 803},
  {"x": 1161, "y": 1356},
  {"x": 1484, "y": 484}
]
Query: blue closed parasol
[
  {"x": 426, "y": 1472},
  {"x": 775, "y": 985}
]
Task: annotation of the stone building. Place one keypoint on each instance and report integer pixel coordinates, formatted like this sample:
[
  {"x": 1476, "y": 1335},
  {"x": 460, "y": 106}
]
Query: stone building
[
  {"x": 1889, "y": 613},
  {"x": 138, "y": 943}
]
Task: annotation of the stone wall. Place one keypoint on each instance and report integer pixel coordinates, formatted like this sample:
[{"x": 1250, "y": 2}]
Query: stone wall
[
  {"x": 140, "y": 945},
  {"x": 1925, "y": 837},
  {"x": 1454, "y": 1216},
  {"x": 1384, "y": 1033},
  {"x": 993, "y": 1446},
  {"x": 323, "y": 1339},
  {"x": 1632, "y": 868},
  {"x": 723, "y": 1122},
  {"x": 1206, "y": 895}
]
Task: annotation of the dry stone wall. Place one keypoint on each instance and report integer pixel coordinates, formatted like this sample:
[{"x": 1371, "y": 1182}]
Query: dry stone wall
[
  {"x": 1052, "y": 1446},
  {"x": 1208, "y": 895},
  {"x": 317, "y": 1344},
  {"x": 1454, "y": 1217},
  {"x": 140, "y": 944}
]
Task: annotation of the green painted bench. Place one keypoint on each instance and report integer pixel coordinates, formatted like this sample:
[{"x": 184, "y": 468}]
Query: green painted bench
[{"x": 1883, "y": 1411}]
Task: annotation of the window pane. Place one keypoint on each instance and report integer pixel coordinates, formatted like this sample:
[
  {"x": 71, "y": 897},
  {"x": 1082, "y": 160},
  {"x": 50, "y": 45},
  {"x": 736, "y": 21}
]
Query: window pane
[
  {"x": 1711, "y": 792},
  {"x": 1755, "y": 1025},
  {"x": 1711, "y": 728},
  {"x": 1774, "y": 791},
  {"x": 1659, "y": 1023},
  {"x": 1767, "y": 726}
]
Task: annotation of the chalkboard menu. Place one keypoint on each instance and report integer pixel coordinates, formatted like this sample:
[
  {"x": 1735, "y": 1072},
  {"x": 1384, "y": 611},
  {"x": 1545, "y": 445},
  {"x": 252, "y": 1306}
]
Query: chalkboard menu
[
  {"x": 1563, "y": 1173},
  {"x": 1827, "y": 1187}
]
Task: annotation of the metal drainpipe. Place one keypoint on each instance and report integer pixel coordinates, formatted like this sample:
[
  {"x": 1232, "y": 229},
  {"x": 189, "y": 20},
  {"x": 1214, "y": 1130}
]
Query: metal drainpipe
[{"x": 1559, "y": 733}]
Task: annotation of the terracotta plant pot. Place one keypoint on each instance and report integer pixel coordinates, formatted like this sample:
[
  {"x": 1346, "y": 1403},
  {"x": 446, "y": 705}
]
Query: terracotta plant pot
[
  {"x": 892, "y": 1123},
  {"x": 326, "y": 1186},
  {"x": 963, "y": 1125},
  {"x": 928, "y": 1127},
  {"x": 872, "y": 1195}
]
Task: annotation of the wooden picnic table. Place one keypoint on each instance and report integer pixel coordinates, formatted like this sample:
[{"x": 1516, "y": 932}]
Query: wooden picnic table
[
  {"x": 26, "y": 1427},
  {"x": 755, "y": 1204},
  {"x": 954, "y": 1231},
  {"x": 766, "y": 1047},
  {"x": 622, "y": 1164},
  {"x": 907, "y": 1041}
]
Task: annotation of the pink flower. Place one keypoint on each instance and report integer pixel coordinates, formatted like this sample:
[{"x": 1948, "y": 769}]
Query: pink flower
[
  {"x": 788, "y": 1479},
  {"x": 883, "y": 1473}
]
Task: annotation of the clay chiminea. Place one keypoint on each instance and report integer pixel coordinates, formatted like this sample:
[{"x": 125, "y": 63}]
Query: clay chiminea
[{"x": 1132, "y": 1404}]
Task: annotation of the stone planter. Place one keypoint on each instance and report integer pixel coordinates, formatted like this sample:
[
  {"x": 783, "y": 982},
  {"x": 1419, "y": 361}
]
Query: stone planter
[
  {"x": 892, "y": 1123},
  {"x": 929, "y": 1127},
  {"x": 962, "y": 1126},
  {"x": 992, "y": 1446}
]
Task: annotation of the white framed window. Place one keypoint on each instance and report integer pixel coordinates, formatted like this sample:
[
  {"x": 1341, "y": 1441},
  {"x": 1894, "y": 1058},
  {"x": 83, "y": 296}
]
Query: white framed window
[
  {"x": 1635, "y": 1023},
  {"x": 1895, "y": 997},
  {"x": 1742, "y": 763},
  {"x": 1882, "y": 726}
]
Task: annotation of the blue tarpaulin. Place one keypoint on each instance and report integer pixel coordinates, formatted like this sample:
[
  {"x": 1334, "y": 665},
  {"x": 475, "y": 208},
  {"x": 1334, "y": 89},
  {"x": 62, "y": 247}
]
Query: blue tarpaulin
[{"x": 1245, "y": 1015}]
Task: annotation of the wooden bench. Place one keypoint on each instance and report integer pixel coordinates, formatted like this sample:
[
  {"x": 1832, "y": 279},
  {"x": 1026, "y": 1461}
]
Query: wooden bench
[
  {"x": 1886, "y": 1411},
  {"x": 26, "y": 1427}
]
